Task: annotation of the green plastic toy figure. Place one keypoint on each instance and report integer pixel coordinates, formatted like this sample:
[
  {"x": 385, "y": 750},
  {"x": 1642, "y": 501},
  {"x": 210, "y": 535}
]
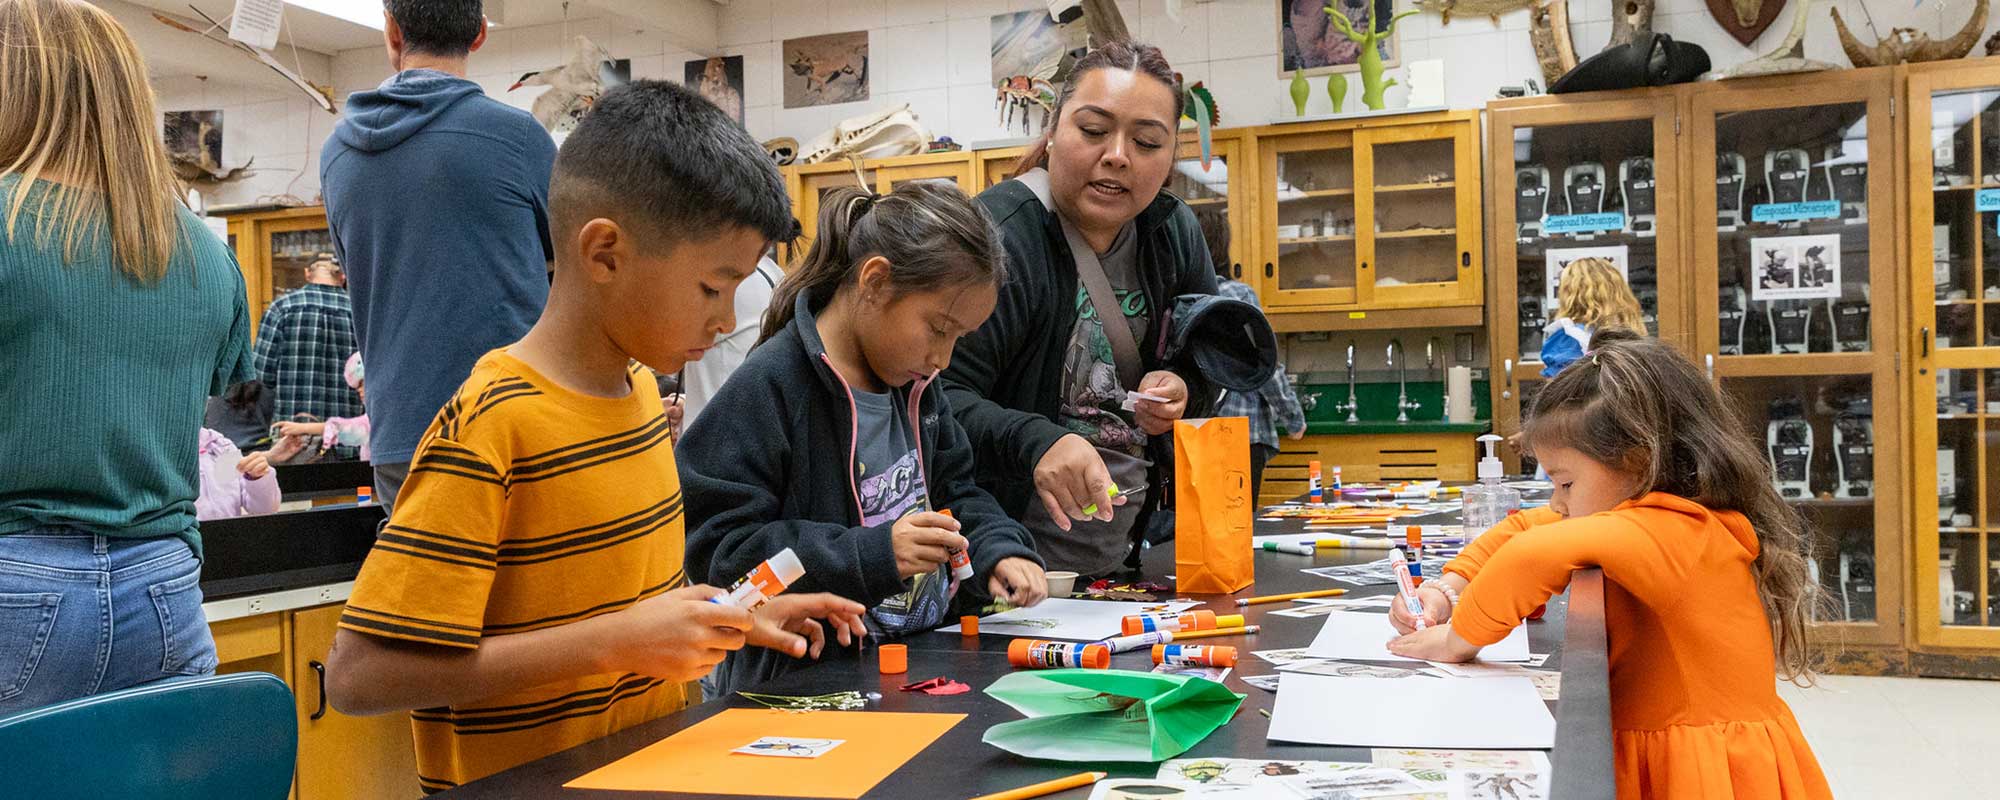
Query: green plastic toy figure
[{"x": 1370, "y": 60}]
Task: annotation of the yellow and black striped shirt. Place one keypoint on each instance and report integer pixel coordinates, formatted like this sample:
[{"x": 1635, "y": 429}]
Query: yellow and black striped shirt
[{"x": 528, "y": 506}]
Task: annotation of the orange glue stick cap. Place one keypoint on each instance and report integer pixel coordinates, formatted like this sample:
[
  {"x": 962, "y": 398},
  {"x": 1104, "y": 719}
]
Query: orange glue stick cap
[
  {"x": 895, "y": 659},
  {"x": 968, "y": 625}
]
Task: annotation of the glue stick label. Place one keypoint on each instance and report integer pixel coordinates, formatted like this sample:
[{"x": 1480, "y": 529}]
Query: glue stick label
[
  {"x": 1187, "y": 655},
  {"x": 768, "y": 580},
  {"x": 1126, "y": 644},
  {"x": 1056, "y": 654}
]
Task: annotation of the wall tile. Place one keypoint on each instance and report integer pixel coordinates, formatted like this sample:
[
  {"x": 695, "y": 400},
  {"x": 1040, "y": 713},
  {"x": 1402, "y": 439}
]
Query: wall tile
[
  {"x": 744, "y": 21},
  {"x": 907, "y": 58},
  {"x": 854, "y": 15},
  {"x": 791, "y": 19},
  {"x": 1183, "y": 41},
  {"x": 912, "y": 12},
  {"x": 1251, "y": 28},
  {"x": 969, "y": 50}
]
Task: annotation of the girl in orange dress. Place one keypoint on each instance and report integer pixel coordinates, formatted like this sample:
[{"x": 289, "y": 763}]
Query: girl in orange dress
[{"x": 1707, "y": 593}]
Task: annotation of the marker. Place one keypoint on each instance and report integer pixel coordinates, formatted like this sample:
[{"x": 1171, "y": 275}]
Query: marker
[
  {"x": 1279, "y": 598},
  {"x": 961, "y": 561},
  {"x": 1181, "y": 636},
  {"x": 1042, "y": 654},
  {"x": 1194, "y": 655},
  {"x": 1126, "y": 644},
  {"x": 1405, "y": 591},
  {"x": 1091, "y": 510},
  {"x": 1198, "y": 619},
  {"x": 763, "y": 583},
  {"x": 1046, "y": 787},
  {"x": 1286, "y": 547}
]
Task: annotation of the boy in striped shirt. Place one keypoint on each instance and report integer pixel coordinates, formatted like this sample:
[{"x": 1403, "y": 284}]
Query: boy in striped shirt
[{"x": 527, "y": 594}]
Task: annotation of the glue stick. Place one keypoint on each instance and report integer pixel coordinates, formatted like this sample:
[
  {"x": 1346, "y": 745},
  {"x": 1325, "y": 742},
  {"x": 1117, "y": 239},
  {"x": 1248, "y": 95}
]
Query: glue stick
[
  {"x": 1126, "y": 644},
  {"x": 1194, "y": 655},
  {"x": 1197, "y": 620},
  {"x": 765, "y": 582},
  {"x": 1336, "y": 479},
  {"x": 1413, "y": 535},
  {"x": 961, "y": 560},
  {"x": 1314, "y": 491},
  {"x": 1041, "y": 654}
]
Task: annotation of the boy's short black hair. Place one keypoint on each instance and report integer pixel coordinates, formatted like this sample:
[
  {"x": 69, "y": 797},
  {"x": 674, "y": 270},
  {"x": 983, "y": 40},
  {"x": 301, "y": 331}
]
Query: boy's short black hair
[
  {"x": 437, "y": 27},
  {"x": 657, "y": 156}
]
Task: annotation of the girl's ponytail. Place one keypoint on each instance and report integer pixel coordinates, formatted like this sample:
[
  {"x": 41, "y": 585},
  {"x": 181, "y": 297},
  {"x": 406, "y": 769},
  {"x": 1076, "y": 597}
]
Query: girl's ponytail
[{"x": 826, "y": 264}]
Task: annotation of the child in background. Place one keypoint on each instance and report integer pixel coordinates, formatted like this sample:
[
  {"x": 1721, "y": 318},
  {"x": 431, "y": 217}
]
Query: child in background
[
  {"x": 526, "y": 595},
  {"x": 1273, "y": 409},
  {"x": 349, "y": 432},
  {"x": 835, "y": 443},
  {"x": 1591, "y": 297},
  {"x": 1706, "y": 590},
  {"x": 233, "y": 484}
]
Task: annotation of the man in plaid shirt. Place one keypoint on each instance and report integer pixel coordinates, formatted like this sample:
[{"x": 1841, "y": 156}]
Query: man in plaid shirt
[
  {"x": 1276, "y": 397},
  {"x": 303, "y": 345}
]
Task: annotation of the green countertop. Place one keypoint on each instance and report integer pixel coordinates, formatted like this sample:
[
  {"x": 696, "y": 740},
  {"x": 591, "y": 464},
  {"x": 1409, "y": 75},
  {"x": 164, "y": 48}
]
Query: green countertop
[{"x": 1375, "y": 427}]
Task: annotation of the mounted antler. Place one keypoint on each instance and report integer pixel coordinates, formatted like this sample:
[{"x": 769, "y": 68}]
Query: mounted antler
[{"x": 1908, "y": 46}]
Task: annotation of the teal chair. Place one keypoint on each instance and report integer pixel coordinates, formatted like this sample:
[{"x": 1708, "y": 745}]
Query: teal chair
[{"x": 223, "y": 736}]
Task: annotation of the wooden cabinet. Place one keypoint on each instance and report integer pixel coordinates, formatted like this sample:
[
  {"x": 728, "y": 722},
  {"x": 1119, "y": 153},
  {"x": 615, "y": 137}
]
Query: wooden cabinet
[
  {"x": 882, "y": 175},
  {"x": 1373, "y": 213},
  {"x": 1953, "y": 131},
  {"x": 1368, "y": 458},
  {"x": 340, "y": 756},
  {"x": 273, "y": 248}
]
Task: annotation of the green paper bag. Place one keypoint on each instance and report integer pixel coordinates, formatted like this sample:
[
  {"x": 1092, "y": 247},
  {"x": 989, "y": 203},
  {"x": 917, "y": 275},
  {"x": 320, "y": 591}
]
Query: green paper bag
[{"x": 1108, "y": 714}]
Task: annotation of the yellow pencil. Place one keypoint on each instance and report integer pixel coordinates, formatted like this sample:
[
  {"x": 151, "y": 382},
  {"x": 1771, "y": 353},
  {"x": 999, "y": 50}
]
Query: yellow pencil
[
  {"x": 1046, "y": 787},
  {"x": 1279, "y": 598},
  {"x": 1182, "y": 636}
]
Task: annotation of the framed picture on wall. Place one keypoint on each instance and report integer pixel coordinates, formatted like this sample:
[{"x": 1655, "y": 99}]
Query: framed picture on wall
[
  {"x": 1308, "y": 41},
  {"x": 720, "y": 79},
  {"x": 825, "y": 70}
]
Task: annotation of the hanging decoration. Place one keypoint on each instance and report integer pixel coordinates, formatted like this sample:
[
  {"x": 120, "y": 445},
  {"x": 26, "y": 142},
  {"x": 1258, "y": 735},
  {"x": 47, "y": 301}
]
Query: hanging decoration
[
  {"x": 1745, "y": 19},
  {"x": 1446, "y": 9},
  {"x": 1787, "y": 58},
  {"x": 573, "y": 85},
  {"x": 1909, "y": 45},
  {"x": 1370, "y": 61},
  {"x": 322, "y": 96},
  {"x": 1198, "y": 104}
]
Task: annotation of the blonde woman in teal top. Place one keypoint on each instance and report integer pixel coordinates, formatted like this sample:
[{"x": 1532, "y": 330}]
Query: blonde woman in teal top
[{"x": 119, "y": 315}]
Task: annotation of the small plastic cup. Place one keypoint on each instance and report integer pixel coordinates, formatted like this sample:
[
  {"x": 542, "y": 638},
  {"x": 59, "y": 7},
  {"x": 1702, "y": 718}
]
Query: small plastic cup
[
  {"x": 968, "y": 625},
  {"x": 1060, "y": 583}
]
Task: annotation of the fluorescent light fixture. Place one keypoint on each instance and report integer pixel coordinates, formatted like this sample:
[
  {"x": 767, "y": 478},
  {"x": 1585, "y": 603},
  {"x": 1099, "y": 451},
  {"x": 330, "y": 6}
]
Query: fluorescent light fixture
[{"x": 366, "y": 13}]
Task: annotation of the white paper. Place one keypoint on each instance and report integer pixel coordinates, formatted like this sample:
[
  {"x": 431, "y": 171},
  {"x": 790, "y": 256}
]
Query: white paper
[
  {"x": 1795, "y": 267},
  {"x": 1500, "y": 713},
  {"x": 1070, "y": 620},
  {"x": 1216, "y": 674},
  {"x": 1355, "y": 636},
  {"x": 1343, "y": 669},
  {"x": 256, "y": 22},
  {"x": 1484, "y": 669},
  {"x": 789, "y": 747}
]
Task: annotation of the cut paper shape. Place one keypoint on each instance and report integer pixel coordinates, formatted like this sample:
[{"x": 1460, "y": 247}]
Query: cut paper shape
[
  {"x": 937, "y": 686},
  {"x": 788, "y": 747},
  {"x": 1497, "y": 713},
  {"x": 700, "y": 759},
  {"x": 1070, "y": 620},
  {"x": 1355, "y": 636},
  {"x": 1108, "y": 714}
]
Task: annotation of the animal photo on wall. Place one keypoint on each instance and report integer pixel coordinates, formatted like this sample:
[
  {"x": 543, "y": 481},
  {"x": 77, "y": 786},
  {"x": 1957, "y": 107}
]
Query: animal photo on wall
[
  {"x": 720, "y": 79},
  {"x": 194, "y": 146},
  {"x": 824, "y": 70},
  {"x": 1308, "y": 40},
  {"x": 1030, "y": 59}
]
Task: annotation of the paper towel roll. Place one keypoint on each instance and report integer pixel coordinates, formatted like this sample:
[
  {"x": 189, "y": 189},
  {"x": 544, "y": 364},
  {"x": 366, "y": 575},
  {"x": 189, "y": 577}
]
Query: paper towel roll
[{"x": 1458, "y": 407}]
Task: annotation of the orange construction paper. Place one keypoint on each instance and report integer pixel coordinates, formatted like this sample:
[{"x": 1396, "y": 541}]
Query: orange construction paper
[{"x": 699, "y": 760}]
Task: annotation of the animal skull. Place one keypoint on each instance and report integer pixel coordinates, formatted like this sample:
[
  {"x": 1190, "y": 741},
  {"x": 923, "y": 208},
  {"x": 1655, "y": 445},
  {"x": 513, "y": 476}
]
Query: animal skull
[{"x": 1908, "y": 46}]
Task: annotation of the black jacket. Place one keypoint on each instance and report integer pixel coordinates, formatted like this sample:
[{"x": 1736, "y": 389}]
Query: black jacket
[
  {"x": 1005, "y": 380},
  {"x": 772, "y": 466}
]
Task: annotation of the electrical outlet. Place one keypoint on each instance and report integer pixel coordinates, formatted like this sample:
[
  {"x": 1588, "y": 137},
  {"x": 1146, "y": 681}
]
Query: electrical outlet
[
  {"x": 328, "y": 595},
  {"x": 257, "y": 606}
]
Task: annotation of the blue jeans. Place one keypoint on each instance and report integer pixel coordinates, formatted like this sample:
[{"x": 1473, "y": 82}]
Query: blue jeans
[{"x": 83, "y": 614}]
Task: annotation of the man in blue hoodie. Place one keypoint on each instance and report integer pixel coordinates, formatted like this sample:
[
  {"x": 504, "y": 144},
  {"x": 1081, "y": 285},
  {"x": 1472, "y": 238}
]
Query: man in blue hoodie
[{"x": 438, "y": 200}]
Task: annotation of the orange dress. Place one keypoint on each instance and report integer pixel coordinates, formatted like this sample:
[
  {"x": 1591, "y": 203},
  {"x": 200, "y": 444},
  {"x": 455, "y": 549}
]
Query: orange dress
[{"x": 1695, "y": 711}]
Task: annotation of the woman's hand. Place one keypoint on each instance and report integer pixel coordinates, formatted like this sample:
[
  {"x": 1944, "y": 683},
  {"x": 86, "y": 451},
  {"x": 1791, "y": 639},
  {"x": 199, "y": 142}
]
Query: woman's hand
[
  {"x": 1437, "y": 609},
  {"x": 1018, "y": 581},
  {"x": 1071, "y": 475},
  {"x": 289, "y": 429},
  {"x": 285, "y": 449},
  {"x": 1436, "y": 643},
  {"x": 1158, "y": 418},
  {"x": 676, "y": 411}
]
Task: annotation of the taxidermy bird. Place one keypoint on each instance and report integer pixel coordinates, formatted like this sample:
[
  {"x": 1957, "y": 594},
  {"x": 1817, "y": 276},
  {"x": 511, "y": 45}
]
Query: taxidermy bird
[
  {"x": 1910, "y": 46},
  {"x": 573, "y": 87},
  {"x": 200, "y": 168},
  {"x": 1199, "y": 105},
  {"x": 322, "y": 96}
]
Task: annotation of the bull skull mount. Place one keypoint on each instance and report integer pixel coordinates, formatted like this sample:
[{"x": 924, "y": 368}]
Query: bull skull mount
[{"x": 1911, "y": 46}]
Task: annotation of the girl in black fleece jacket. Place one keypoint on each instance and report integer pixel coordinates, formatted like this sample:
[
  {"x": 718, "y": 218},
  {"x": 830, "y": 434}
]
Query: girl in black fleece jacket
[{"x": 830, "y": 439}]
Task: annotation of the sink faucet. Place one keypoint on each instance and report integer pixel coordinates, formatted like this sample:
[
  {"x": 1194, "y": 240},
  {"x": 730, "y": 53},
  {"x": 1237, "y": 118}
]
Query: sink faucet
[
  {"x": 1352, "y": 407},
  {"x": 1431, "y": 359},
  {"x": 1397, "y": 359}
]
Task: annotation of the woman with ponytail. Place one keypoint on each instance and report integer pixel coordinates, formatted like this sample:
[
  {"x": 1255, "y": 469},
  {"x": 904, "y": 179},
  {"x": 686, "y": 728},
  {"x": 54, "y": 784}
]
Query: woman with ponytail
[
  {"x": 1043, "y": 386},
  {"x": 829, "y": 441}
]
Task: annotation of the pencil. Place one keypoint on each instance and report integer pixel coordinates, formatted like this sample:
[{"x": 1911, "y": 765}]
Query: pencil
[
  {"x": 1182, "y": 636},
  {"x": 1279, "y": 598},
  {"x": 1046, "y": 787}
]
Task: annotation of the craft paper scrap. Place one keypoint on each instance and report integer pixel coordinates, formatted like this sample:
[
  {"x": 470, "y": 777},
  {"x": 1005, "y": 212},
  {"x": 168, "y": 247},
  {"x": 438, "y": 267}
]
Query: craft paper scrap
[
  {"x": 1071, "y": 620},
  {"x": 1549, "y": 684},
  {"x": 787, "y": 747},
  {"x": 1108, "y": 714},
  {"x": 1356, "y": 636},
  {"x": 1504, "y": 713},
  {"x": 1371, "y": 601},
  {"x": 1149, "y": 789},
  {"x": 1306, "y": 612},
  {"x": 1283, "y": 657},
  {"x": 1210, "y": 673},
  {"x": 1354, "y": 783},
  {"x": 1268, "y": 683},
  {"x": 1273, "y": 779},
  {"x": 1500, "y": 785},
  {"x": 1509, "y": 760},
  {"x": 1349, "y": 670},
  {"x": 1484, "y": 669},
  {"x": 700, "y": 758}
]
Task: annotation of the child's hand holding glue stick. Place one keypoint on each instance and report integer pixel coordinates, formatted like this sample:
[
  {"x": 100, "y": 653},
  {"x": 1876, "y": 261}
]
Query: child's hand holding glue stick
[
  {"x": 923, "y": 541},
  {"x": 1406, "y": 590},
  {"x": 1017, "y": 581},
  {"x": 790, "y": 624}
]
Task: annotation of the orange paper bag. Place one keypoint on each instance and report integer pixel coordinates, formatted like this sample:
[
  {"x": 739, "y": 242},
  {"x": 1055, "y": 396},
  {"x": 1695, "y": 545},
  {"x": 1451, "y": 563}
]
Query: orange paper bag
[{"x": 1212, "y": 505}]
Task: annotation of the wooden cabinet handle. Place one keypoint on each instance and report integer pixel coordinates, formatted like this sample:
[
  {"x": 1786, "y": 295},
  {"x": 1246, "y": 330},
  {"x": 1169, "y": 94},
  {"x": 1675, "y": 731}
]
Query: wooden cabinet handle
[
  {"x": 1236, "y": 269},
  {"x": 1465, "y": 259},
  {"x": 320, "y": 670},
  {"x": 1925, "y": 339},
  {"x": 1268, "y": 272}
]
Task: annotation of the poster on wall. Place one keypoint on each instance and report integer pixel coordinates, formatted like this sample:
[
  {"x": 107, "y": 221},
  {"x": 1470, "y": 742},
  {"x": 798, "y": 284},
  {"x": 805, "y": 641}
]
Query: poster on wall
[
  {"x": 720, "y": 79},
  {"x": 1308, "y": 41},
  {"x": 1796, "y": 267},
  {"x": 1558, "y": 258},
  {"x": 824, "y": 70},
  {"x": 195, "y": 137},
  {"x": 1029, "y": 59}
]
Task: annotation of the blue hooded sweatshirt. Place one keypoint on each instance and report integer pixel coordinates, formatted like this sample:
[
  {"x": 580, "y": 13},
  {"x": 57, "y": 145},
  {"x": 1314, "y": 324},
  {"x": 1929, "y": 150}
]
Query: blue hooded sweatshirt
[{"x": 438, "y": 199}]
